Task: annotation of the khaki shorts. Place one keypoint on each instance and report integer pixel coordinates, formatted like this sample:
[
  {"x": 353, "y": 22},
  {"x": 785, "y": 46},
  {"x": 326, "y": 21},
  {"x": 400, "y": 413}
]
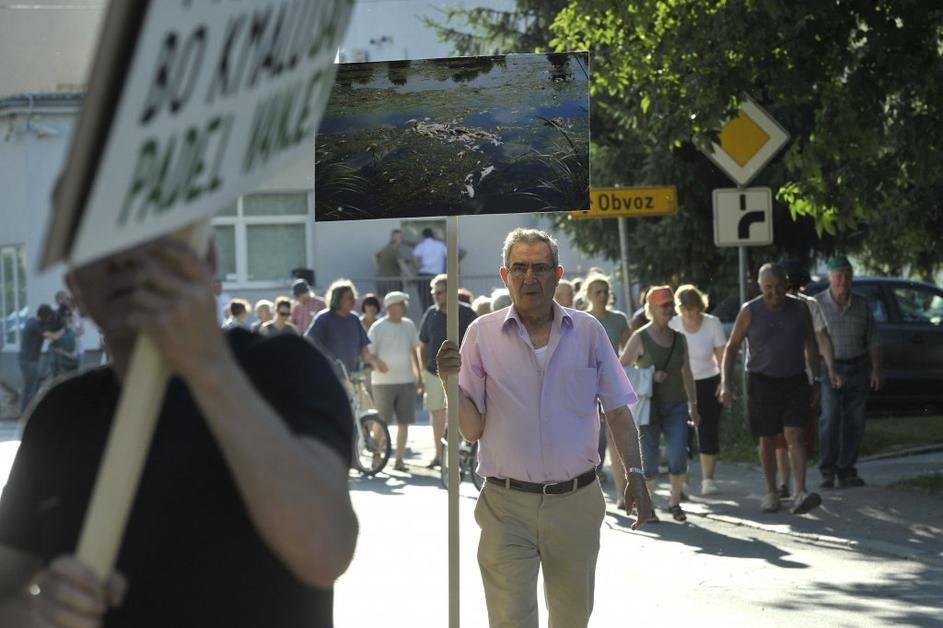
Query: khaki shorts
[{"x": 433, "y": 396}]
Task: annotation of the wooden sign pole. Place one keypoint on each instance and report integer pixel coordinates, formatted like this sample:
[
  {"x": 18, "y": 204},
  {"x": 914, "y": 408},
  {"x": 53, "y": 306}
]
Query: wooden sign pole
[
  {"x": 128, "y": 444},
  {"x": 454, "y": 440}
]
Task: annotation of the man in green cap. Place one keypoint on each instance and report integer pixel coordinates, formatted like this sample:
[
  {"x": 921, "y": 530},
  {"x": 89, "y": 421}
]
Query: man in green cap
[{"x": 857, "y": 361}]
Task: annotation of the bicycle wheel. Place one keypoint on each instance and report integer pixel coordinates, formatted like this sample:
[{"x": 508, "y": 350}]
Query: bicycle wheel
[
  {"x": 375, "y": 450},
  {"x": 477, "y": 480}
]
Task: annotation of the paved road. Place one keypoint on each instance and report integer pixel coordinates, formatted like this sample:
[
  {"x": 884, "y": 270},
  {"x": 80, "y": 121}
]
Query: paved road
[
  {"x": 729, "y": 565},
  {"x": 714, "y": 570}
]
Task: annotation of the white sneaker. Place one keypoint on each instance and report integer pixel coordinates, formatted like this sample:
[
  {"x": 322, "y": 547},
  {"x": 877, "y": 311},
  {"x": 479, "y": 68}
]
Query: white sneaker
[
  {"x": 770, "y": 503},
  {"x": 709, "y": 487}
]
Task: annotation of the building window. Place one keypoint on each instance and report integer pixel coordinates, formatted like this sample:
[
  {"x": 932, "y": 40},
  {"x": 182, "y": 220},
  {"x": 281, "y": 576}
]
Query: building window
[
  {"x": 13, "y": 307},
  {"x": 261, "y": 238}
]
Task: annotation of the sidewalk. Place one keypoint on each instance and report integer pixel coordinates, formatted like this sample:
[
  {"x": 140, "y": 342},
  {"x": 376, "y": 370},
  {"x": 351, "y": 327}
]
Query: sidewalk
[{"x": 874, "y": 518}]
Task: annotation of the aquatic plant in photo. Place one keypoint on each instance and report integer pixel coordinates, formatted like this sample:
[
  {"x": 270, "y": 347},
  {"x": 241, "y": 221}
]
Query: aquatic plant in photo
[{"x": 475, "y": 135}]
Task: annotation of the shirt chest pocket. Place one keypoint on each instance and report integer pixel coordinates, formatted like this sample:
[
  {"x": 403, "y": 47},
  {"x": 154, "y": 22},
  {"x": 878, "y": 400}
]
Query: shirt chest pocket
[{"x": 579, "y": 390}]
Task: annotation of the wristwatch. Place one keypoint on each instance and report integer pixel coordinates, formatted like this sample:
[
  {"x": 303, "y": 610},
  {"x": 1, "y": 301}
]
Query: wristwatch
[{"x": 637, "y": 470}]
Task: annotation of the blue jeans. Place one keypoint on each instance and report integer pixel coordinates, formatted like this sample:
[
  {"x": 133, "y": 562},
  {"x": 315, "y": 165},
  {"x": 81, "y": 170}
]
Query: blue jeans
[
  {"x": 841, "y": 424},
  {"x": 670, "y": 419},
  {"x": 30, "y": 371}
]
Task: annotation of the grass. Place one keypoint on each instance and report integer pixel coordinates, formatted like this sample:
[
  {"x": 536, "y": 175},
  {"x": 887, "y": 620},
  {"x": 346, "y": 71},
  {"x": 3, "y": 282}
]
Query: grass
[
  {"x": 932, "y": 483},
  {"x": 882, "y": 434},
  {"x": 893, "y": 433}
]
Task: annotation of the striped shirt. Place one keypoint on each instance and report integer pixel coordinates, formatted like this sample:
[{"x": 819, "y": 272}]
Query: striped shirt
[{"x": 851, "y": 328}]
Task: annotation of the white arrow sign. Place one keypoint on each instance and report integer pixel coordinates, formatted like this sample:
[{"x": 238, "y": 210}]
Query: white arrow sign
[{"x": 743, "y": 217}]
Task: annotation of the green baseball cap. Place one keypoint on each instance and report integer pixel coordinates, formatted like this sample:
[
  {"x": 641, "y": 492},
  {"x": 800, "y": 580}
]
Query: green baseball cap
[{"x": 838, "y": 262}]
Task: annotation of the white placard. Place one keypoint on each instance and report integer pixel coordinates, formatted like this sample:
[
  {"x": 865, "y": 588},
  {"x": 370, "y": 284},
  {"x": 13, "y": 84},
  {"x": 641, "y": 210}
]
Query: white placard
[
  {"x": 743, "y": 217},
  {"x": 218, "y": 97}
]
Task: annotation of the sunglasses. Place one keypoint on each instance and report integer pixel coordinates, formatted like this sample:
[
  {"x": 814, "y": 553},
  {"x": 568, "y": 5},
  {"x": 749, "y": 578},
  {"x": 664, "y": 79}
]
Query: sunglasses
[{"x": 284, "y": 313}]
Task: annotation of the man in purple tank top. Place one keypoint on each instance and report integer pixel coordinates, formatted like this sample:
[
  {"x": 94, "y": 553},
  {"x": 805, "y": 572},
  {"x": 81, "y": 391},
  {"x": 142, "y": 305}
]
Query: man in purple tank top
[{"x": 777, "y": 327}]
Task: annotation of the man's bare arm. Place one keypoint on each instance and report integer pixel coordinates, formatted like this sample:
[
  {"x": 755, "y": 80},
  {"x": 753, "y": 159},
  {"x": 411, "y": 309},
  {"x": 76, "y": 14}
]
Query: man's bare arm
[
  {"x": 739, "y": 332},
  {"x": 625, "y": 436},
  {"x": 295, "y": 488}
]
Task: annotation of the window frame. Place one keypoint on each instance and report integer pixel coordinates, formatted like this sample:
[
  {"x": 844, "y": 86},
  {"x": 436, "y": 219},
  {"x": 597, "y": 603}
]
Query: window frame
[
  {"x": 19, "y": 256},
  {"x": 240, "y": 222}
]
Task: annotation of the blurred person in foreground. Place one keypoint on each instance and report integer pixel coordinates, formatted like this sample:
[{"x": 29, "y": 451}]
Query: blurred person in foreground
[
  {"x": 778, "y": 327},
  {"x": 529, "y": 377},
  {"x": 242, "y": 517}
]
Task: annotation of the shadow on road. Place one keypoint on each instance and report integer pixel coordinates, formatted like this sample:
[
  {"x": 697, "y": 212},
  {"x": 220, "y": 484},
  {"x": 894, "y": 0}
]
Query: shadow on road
[
  {"x": 903, "y": 599},
  {"x": 706, "y": 541}
]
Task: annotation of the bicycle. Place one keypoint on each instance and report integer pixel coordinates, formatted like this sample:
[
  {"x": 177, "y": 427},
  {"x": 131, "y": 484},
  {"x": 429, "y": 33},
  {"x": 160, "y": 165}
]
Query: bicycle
[
  {"x": 372, "y": 443},
  {"x": 467, "y": 463}
]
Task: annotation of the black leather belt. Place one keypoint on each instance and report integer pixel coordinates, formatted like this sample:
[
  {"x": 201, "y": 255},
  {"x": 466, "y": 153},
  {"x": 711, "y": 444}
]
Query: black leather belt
[
  {"x": 550, "y": 488},
  {"x": 856, "y": 360}
]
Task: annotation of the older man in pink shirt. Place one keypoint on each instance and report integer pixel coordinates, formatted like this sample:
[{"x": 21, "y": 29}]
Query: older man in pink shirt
[{"x": 530, "y": 377}]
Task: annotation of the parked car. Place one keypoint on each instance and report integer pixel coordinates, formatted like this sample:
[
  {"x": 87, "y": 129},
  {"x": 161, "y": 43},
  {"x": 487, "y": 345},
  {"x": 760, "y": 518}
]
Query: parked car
[{"x": 909, "y": 317}]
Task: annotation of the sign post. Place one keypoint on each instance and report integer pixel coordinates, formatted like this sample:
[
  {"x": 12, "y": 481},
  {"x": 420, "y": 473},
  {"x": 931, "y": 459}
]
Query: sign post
[{"x": 452, "y": 405}]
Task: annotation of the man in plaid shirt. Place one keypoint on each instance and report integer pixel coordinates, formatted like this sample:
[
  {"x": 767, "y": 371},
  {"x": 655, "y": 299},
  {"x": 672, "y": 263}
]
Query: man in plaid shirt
[
  {"x": 850, "y": 324},
  {"x": 306, "y": 305}
]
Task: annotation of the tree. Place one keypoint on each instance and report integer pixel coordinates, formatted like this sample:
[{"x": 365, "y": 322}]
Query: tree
[
  {"x": 859, "y": 84},
  {"x": 856, "y": 83}
]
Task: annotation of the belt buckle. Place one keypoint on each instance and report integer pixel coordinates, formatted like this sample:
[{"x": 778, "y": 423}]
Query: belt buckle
[{"x": 545, "y": 487}]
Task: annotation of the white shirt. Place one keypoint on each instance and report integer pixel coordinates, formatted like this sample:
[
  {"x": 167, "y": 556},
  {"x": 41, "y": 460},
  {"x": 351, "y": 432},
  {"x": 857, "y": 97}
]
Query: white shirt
[
  {"x": 433, "y": 256},
  {"x": 701, "y": 345},
  {"x": 394, "y": 343}
]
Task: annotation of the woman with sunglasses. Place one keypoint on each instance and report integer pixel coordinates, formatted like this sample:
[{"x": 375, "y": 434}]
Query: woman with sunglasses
[
  {"x": 281, "y": 323},
  {"x": 596, "y": 291},
  {"x": 674, "y": 402}
]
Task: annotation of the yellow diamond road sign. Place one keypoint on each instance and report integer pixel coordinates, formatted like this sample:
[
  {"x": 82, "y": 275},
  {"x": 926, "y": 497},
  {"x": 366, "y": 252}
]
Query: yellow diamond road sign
[{"x": 747, "y": 143}]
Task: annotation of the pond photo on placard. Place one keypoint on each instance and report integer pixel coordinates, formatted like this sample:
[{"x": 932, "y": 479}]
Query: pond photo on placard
[{"x": 456, "y": 136}]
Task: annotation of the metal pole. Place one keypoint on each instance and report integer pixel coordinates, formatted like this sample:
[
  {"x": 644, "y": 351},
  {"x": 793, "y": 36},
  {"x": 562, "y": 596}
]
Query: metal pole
[
  {"x": 742, "y": 255},
  {"x": 742, "y": 269},
  {"x": 452, "y": 393},
  {"x": 624, "y": 250}
]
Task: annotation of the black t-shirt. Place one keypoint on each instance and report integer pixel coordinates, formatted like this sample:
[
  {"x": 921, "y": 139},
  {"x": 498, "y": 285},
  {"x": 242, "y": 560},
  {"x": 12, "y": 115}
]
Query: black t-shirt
[
  {"x": 191, "y": 554},
  {"x": 433, "y": 330}
]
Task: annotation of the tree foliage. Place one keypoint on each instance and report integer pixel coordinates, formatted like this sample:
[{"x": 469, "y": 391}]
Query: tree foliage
[{"x": 858, "y": 84}]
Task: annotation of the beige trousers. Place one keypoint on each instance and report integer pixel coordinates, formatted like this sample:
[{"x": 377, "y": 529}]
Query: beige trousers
[{"x": 520, "y": 532}]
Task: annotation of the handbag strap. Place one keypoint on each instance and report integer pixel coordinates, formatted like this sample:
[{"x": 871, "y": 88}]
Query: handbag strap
[{"x": 674, "y": 340}]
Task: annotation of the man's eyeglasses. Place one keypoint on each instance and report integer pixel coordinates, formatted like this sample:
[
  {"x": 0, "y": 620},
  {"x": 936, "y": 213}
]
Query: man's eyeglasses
[
  {"x": 540, "y": 269},
  {"x": 284, "y": 313}
]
